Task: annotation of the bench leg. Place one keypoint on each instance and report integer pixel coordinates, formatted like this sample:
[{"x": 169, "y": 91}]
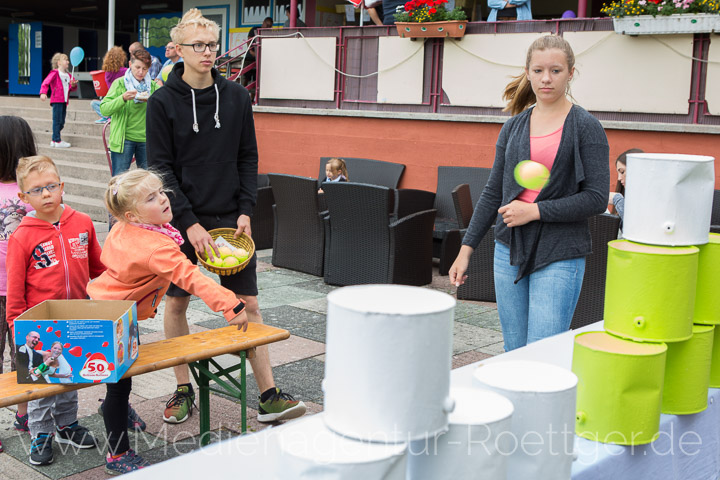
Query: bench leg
[
  {"x": 204, "y": 387},
  {"x": 226, "y": 384}
]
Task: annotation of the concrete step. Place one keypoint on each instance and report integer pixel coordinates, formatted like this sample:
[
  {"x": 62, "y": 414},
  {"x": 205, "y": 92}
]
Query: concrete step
[
  {"x": 89, "y": 142},
  {"x": 91, "y": 206},
  {"x": 84, "y": 188},
  {"x": 43, "y": 110},
  {"x": 79, "y": 155},
  {"x": 34, "y": 101},
  {"x": 72, "y": 127},
  {"x": 83, "y": 171}
]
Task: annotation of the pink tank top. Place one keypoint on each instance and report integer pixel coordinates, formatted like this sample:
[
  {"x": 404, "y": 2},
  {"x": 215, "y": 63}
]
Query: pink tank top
[{"x": 542, "y": 150}]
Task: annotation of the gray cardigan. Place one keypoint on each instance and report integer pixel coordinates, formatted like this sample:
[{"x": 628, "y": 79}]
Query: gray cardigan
[{"x": 577, "y": 189}]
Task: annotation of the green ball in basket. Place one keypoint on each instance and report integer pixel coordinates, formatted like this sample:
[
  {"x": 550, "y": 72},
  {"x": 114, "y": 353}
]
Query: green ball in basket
[{"x": 235, "y": 253}]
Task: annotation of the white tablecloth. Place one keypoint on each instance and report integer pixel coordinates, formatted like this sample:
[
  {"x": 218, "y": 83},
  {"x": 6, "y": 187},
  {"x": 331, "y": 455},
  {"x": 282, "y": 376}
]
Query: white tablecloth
[{"x": 688, "y": 447}]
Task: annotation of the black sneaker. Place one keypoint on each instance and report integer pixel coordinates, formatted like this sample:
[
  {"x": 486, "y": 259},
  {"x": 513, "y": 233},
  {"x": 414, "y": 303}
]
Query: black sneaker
[
  {"x": 41, "y": 449},
  {"x": 21, "y": 423},
  {"x": 76, "y": 435},
  {"x": 134, "y": 421}
]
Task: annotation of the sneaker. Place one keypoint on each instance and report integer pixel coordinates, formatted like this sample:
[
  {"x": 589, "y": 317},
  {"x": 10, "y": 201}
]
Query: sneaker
[
  {"x": 61, "y": 144},
  {"x": 134, "y": 421},
  {"x": 52, "y": 144},
  {"x": 1, "y": 448},
  {"x": 280, "y": 406},
  {"x": 76, "y": 435},
  {"x": 179, "y": 407},
  {"x": 125, "y": 463},
  {"x": 21, "y": 423},
  {"x": 41, "y": 449}
]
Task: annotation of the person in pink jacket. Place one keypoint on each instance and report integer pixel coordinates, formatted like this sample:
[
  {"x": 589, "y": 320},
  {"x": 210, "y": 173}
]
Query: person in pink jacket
[{"x": 61, "y": 83}]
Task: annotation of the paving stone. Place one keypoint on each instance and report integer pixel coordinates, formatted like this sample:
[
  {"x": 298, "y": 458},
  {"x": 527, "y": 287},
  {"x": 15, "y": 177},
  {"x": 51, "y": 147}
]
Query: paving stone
[
  {"x": 493, "y": 349},
  {"x": 489, "y": 319},
  {"x": 298, "y": 321},
  {"x": 318, "y": 305},
  {"x": 185, "y": 445},
  {"x": 281, "y": 278},
  {"x": 97, "y": 473},
  {"x": 68, "y": 460},
  {"x": 464, "y": 309},
  {"x": 469, "y": 337},
  {"x": 159, "y": 384},
  {"x": 318, "y": 285},
  {"x": 13, "y": 469},
  {"x": 275, "y": 297},
  {"x": 300, "y": 379},
  {"x": 467, "y": 358},
  {"x": 293, "y": 349},
  {"x": 224, "y": 414}
]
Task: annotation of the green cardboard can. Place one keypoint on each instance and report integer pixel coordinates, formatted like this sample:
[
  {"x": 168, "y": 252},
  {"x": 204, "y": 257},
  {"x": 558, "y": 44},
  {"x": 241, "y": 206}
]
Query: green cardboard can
[
  {"x": 715, "y": 362},
  {"x": 619, "y": 391},
  {"x": 687, "y": 372},
  {"x": 707, "y": 300},
  {"x": 650, "y": 291}
]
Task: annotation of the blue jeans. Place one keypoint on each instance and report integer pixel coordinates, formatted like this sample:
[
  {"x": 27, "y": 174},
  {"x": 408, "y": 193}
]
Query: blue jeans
[
  {"x": 539, "y": 305},
  {"x": 59, "y": 110},
  {"x": 121, "y": 161},
  {"x": 95, "y": 105}
]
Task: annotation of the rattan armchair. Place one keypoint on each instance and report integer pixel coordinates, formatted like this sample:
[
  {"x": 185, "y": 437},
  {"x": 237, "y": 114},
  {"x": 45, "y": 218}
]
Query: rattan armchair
[
  {"x": 263, "y": 219},
  {"x": 299, "y": 239},
  {"x": 365, "y": 170},
  {"x": 591, "y": 303},
  {"x": 366, "y": 243},
  {"x": 445, "y": 248}
]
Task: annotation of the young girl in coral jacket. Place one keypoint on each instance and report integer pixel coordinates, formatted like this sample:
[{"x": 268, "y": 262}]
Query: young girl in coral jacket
[{"x": 142, "y": 255}]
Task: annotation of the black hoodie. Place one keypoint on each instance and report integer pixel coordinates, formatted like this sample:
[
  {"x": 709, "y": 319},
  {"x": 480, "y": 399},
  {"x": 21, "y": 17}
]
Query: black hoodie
[{"x": 210, "y": 165}]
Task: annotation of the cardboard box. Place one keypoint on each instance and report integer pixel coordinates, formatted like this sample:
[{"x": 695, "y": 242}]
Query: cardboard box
[{"x": 93, "y": 341}]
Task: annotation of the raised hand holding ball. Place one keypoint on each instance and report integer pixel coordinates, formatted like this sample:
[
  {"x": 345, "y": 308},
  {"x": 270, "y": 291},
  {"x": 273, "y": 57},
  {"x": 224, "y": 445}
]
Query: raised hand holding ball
[{"x": 531, "y": 175}]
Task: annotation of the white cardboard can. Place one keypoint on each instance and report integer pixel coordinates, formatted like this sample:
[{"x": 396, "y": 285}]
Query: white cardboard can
[
  {"x": 387, "y": 364},
  {"x": 476, "y": 445},
  {"x": 668, "y": 198},
  {"x": 311, "y": 450},
  {"x": 543, "y": 422}
]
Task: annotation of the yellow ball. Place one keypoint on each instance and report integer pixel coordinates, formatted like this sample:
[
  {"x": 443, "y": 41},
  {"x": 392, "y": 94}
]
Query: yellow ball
[{"x": 531, "y": 175}]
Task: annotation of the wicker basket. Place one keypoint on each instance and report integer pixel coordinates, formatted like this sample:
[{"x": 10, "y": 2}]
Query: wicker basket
[{"x": 243, "y": 241}]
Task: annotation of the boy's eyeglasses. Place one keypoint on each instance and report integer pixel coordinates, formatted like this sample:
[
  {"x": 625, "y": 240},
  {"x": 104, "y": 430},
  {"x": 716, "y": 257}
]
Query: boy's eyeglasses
[
  {"x": 35, "y": 192},
  {"x": 200, "y": 47}
]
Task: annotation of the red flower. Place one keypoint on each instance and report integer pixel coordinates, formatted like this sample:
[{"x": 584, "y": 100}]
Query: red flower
[
  {"x": 432, "y": 10},
  {"x": 655, "y": 1}
]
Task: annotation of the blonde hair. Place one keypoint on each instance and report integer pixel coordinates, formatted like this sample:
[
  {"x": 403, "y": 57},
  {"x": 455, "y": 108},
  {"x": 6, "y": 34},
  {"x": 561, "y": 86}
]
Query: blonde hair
[
  {"x": 56, "y": 59},
  {"x": 193, "y": 18},
  {"x": 339, "y": 164},
  {"x": 125, "y": 190},
  {"x": 36, "y": 163},
  {"x": 518, "y": 92}
]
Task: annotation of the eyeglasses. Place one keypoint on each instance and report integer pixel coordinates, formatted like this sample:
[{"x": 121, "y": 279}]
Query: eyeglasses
[
  {"x": 35, "y": 192},
  {"x": 200, "y": 47}
]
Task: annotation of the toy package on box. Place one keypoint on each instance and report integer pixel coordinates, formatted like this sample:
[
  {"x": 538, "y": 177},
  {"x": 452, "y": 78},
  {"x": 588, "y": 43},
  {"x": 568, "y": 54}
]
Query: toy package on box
[{"x": 76, "y": 341}]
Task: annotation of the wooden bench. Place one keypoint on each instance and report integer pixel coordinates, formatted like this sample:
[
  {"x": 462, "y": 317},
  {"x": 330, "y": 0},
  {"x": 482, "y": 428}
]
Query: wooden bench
[{"x": 197, "y": 350}]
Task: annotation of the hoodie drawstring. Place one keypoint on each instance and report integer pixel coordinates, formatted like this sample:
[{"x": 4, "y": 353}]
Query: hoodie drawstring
[
  {"x": 217, "y": 107},
  {"x": 196, "y": 127}
]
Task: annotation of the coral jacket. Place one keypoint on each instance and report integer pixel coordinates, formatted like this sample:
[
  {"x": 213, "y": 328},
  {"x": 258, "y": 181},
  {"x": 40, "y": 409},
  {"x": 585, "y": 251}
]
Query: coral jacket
[
  {"x": 142, "y": 264},
  {"x": 55, "y": 84},
  {"x": 50, "y": 262}
]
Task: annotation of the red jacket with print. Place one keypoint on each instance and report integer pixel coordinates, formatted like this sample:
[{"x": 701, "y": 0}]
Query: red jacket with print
[{"x": 51, "y": 262}]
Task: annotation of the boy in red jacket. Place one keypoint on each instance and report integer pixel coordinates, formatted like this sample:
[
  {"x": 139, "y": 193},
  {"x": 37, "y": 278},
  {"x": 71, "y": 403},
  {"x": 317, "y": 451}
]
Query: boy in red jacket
[{"x": 52, "y": 255}]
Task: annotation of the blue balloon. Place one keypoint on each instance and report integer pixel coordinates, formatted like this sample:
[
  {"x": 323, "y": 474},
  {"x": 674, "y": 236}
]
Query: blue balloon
[
  {"x": 76, "y": 56},
  {"x": 569, "y": 14}
]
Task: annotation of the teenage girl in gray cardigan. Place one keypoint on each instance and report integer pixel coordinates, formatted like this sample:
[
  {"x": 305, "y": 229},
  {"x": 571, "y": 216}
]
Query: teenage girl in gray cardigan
[{"x": 541, "y": 238}]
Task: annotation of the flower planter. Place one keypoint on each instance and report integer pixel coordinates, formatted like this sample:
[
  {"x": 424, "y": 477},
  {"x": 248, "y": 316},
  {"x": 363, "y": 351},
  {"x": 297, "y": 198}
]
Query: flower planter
[
  {"x": 450, "y": 28},
  {"x": 681, "y": 23}
]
